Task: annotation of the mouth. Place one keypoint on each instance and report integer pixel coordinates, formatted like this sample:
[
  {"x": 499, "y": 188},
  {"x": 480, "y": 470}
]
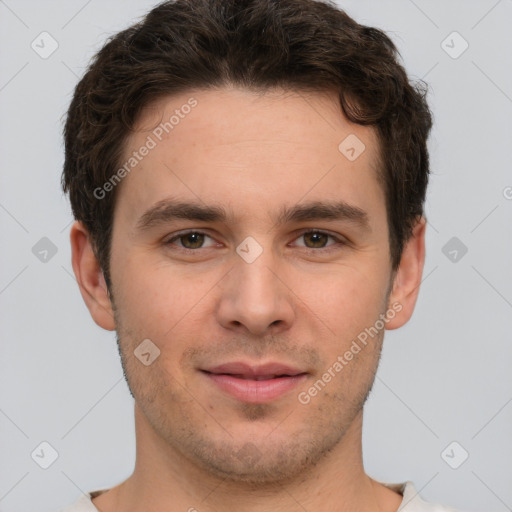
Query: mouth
[{"x": 255, "y": 384}]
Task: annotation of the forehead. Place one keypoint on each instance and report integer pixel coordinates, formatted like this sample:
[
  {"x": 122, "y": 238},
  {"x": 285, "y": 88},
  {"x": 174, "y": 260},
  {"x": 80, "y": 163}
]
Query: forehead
[
  {"x": 233, "y": 144},
  {"x": 233, "y": 114}
]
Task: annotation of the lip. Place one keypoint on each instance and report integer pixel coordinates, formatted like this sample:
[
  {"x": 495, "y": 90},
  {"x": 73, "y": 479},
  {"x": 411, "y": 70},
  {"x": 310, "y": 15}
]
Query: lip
[{"x": 255, "y": 383}]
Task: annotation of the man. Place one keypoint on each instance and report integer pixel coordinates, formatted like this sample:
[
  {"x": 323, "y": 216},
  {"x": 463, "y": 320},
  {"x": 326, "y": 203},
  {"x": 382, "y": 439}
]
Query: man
[{"x": 248, "y": 180}]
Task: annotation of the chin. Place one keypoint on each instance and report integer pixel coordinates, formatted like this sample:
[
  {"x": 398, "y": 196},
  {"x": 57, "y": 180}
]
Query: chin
[{"x": 264, "y": 460}]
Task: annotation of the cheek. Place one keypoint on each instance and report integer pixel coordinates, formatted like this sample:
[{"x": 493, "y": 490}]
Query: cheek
[
  {"x": 347, "y": 300},
  {"x": 164, "y": 304},
  {"x": 148, "y": 287}
]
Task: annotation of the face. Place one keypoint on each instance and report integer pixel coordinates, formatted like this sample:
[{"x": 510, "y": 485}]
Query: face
[{"x": 253, "y": 254}]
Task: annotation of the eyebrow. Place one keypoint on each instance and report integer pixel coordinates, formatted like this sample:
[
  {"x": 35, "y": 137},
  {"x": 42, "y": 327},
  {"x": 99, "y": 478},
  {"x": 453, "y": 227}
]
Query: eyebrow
[{"x": 167, "y": 210}]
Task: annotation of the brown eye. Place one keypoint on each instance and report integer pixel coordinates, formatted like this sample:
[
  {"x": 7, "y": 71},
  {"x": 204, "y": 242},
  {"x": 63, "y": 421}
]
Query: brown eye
[
  {"x": 318, "y": 239},
  {"x": 191, "y": 240},
  {"x": 314, "y": 240}
]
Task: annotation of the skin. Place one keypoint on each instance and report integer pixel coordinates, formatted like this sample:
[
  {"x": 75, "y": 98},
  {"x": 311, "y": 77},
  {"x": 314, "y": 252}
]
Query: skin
[{"x": 301, "y": 302}]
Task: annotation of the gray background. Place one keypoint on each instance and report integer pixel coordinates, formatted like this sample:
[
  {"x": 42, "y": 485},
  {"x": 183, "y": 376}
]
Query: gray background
[{"x": 444, "y": 377}]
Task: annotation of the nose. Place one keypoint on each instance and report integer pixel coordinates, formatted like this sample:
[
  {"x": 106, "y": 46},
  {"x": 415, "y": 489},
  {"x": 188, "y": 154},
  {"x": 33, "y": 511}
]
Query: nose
[{"x": 255, "y": 297}]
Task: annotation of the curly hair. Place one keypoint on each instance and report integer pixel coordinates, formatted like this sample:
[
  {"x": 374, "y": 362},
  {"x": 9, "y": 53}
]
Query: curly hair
[{"x": 258, "y": 44}]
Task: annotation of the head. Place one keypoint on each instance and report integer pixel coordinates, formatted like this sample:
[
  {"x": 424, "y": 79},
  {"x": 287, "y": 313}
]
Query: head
[{"x": 288, "y": 143}]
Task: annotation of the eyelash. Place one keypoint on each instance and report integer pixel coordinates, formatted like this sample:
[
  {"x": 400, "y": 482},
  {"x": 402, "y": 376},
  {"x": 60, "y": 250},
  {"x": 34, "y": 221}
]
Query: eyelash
[{"x": 340, "y": 242}]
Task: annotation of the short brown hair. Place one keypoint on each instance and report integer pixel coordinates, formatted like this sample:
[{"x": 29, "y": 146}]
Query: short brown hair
[{"x": 259, "y": 44}]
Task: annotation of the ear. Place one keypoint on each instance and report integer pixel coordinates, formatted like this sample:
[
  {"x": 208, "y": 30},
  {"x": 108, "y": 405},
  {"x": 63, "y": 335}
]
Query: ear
[
  {"x": 407, "y": 280},
  {"x": 90, "y": 278}
]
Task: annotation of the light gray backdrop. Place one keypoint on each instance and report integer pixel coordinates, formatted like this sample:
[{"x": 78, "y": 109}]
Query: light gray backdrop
[{"x": 444, "y": 378}]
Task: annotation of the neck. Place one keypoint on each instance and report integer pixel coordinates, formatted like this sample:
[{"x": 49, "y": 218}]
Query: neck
[{"x": 163, "y": 478}]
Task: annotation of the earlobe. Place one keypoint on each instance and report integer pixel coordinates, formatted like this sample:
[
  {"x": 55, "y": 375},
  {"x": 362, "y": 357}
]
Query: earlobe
[
  {"x": 407, "y": 279},
  {"x": 90, "y": 277}
]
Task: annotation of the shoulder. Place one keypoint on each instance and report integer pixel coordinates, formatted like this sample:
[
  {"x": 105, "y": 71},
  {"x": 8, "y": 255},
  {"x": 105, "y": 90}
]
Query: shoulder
[
  {"x": 413, "y": 502},
  {"x": 84, "y": 503}
]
